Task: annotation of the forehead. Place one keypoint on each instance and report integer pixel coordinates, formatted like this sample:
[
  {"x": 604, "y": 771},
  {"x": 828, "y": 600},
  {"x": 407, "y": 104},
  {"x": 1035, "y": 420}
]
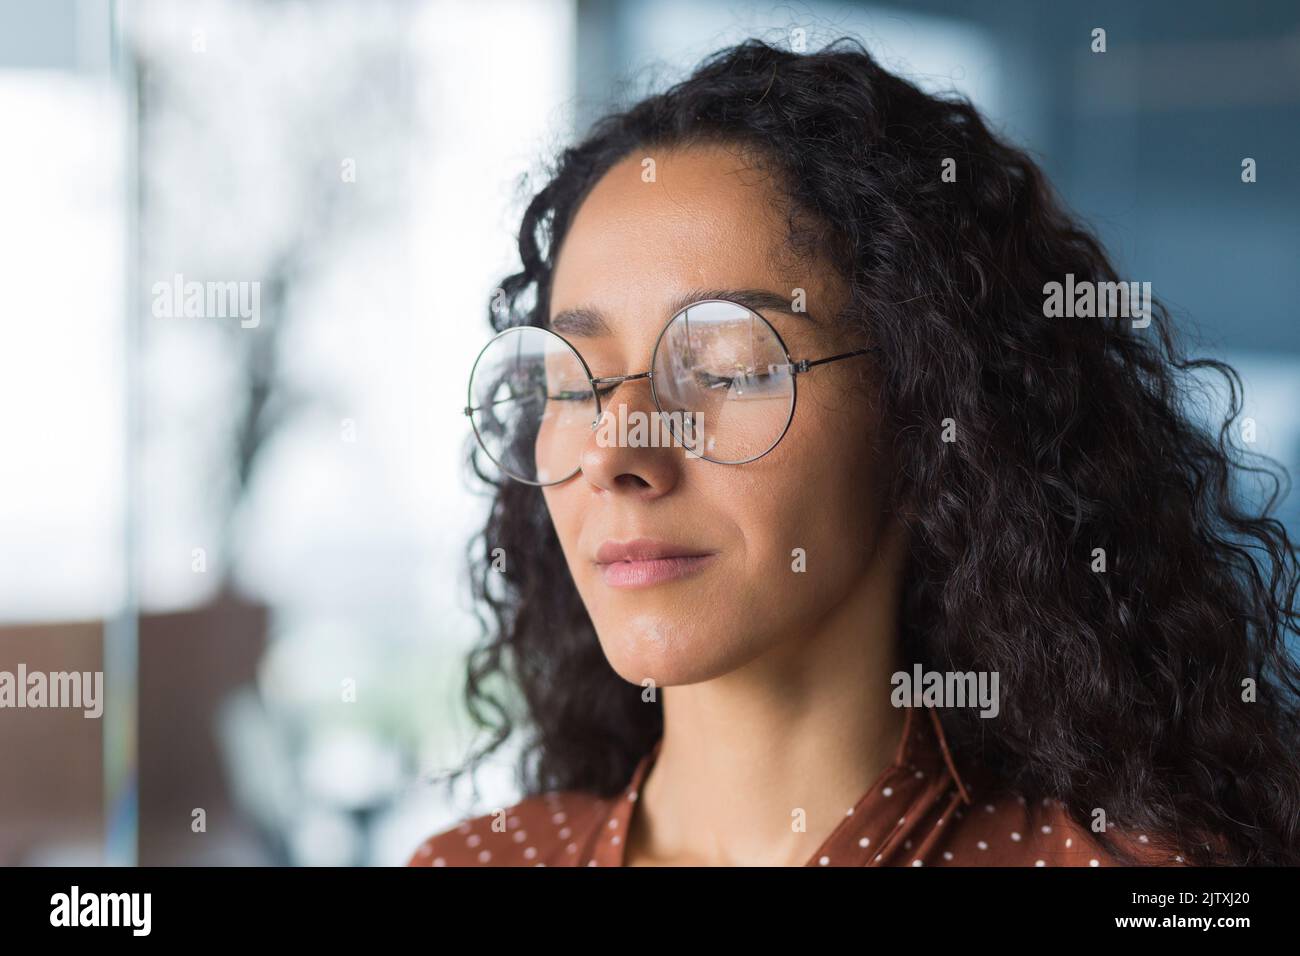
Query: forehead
[{"x": 664, "y": 221}]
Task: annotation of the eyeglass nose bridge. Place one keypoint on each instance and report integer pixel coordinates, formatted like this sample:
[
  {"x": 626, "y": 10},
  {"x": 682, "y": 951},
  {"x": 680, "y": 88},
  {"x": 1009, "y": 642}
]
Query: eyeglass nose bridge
[
  {"x": 617, "y": 379},
  {"x": 596, "y": 383}
]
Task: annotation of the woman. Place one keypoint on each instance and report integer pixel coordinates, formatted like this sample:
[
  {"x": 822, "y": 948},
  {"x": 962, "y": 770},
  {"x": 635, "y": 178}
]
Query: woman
[{"x": 745, "y": 646}]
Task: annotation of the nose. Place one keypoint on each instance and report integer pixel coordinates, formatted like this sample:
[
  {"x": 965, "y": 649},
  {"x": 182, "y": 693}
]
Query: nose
[{"x": 631, "y": 452}]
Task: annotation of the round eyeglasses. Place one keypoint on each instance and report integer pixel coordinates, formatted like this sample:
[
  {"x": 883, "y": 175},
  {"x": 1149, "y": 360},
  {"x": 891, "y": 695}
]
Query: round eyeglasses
[{"x": 720, "y": 375}]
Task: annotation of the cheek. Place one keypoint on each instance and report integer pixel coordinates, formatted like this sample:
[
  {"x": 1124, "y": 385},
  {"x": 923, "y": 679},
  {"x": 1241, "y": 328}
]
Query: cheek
[
  {"x": 800, "y": 527},
  {"x": 813, "y": 511}
]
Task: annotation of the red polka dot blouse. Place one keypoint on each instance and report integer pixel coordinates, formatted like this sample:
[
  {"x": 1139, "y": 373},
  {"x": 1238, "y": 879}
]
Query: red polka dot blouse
[{"x": 919, "y": 812}]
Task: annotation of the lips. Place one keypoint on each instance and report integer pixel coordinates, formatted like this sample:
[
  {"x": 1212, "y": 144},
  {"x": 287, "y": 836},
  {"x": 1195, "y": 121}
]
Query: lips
[
  {"x": 644, "y": 549},
  {"x": 645, "y": 562}
]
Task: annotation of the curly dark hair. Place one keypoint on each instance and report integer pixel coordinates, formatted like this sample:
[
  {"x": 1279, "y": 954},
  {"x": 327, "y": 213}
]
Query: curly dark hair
[{"x": 1121, "y": 690}]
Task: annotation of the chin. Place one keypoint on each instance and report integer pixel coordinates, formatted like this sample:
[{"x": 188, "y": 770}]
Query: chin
[{"x": 670, "y": 648}]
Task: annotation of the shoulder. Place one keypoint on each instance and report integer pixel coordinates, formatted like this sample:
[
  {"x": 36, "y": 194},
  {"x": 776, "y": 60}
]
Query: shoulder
[
  {"x": 539, "y": 830},
  {"x": 1005, "y": 829}
]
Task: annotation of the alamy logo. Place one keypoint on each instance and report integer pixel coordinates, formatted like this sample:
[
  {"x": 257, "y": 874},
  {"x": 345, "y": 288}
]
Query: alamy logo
[
  {"x": 102, "y": 909},
  {"x": 76, "y": 689},
  {"x": 208, "y": 300},
  {"x": 638, "y": 429},
  {"x": 1088, "y": 300},
  {"x": 922, "y": 688}
]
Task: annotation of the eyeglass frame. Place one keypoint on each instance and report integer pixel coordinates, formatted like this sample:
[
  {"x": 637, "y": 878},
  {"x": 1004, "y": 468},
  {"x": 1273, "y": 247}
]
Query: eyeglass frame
[{"x": 795, "y": 367}]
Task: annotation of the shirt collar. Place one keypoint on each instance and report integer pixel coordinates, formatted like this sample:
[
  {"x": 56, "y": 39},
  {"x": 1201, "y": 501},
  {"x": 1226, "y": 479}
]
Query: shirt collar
[{"x": 947, "y": 753}]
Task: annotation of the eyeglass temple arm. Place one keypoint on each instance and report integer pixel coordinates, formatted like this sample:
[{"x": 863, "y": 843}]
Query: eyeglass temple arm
[
  {"x": 804, "y": 365},
  {"x": 470, "y": 409}
]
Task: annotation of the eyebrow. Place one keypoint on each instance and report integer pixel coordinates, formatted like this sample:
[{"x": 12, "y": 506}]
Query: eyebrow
[{"x": 590, "y": 322}]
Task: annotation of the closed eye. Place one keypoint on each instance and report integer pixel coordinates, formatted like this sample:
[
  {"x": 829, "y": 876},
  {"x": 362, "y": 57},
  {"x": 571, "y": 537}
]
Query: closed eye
[
  {"x": 570, "y": 395},
  {"x": 713, "y": 380}
]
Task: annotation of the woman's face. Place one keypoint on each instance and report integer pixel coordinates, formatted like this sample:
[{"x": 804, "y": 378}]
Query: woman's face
[{"x": 789, "y": 537}]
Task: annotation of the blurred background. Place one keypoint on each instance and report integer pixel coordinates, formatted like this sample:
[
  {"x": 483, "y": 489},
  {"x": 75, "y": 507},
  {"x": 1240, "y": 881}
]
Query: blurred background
[{"x": 258, "y": 532}]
